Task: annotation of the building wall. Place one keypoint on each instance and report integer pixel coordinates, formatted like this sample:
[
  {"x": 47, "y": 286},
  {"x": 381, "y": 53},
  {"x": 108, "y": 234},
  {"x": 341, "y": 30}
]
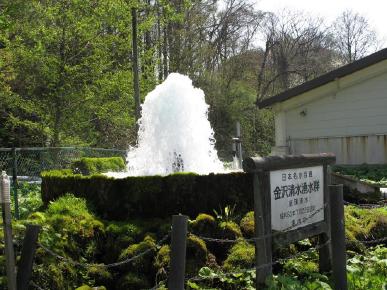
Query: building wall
[
  {"x": 370, "y": 149},
  {"x": 358, "y": 110},
  {"x": 350, "y": 122}
]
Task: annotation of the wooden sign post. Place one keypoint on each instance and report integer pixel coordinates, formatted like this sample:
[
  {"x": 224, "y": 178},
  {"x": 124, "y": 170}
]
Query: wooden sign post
[{"x": 291, "y": 203}]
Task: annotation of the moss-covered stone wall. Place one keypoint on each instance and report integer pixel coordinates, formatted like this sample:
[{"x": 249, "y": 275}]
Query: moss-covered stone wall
[{"x": 152, "y": 196}]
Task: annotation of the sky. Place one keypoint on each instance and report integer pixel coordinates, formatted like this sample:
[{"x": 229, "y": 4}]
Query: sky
[{"x": 375, "y": 11}]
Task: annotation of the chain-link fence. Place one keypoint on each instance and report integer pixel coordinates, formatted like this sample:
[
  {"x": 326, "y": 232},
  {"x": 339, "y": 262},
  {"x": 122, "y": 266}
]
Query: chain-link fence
[{"x": 30, "y": 162}]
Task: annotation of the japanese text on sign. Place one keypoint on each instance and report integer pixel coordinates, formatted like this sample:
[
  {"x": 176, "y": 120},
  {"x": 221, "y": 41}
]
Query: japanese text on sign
[{"x": 295, "y": 195}]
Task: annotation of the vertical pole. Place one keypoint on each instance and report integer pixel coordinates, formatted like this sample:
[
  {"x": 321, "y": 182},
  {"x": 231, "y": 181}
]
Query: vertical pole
[
  {"x": 339, "y": 259},
  {"x": 178, "y": 251},
  {"x": 27, "y": 257},
  {"x": 5, "y": 195},
  {"x": 135, "y": 67},
  {"x": 325, "y": 254},
  {"x": 262, "y": 214},
  {"x": 239, "y": 143},
  {"x": 14, "y": 182}
]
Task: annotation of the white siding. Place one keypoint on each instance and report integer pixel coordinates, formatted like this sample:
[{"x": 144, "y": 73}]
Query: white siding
[
  {"x": 348, "y": 150},
  {"x": 355, "y": 111}
]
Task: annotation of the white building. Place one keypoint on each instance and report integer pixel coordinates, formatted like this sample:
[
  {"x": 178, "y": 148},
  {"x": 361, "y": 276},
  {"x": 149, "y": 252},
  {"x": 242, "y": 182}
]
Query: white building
[{"x": 343, "y": 111}]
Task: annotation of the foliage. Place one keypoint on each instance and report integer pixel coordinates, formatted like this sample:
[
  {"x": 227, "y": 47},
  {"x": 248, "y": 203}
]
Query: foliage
[
  {"x": 71, "y": 229},
  {"x": 89, "y": 166},
  {"x": 222, "y": 280},
  {"x": 226, "y": 215},
  {"x": 29, "y": 199},
  {"x": 368, "y": 271},
  {"x": 374, "y": 174}
]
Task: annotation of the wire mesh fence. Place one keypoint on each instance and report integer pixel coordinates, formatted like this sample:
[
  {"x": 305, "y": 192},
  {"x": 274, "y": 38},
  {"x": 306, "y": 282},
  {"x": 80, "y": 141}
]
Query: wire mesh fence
[{"x": 30, "y": 162}]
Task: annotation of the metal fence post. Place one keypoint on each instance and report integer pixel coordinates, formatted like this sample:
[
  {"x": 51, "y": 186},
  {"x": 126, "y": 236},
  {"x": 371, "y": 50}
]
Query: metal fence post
[
  {"x": 27, "y": 257},
  {"x": 14, "y": 182},
  {"x": 5, "y": 194},
  {"x": 176, "y": 277},
  {"x": 339, "y": 259}
]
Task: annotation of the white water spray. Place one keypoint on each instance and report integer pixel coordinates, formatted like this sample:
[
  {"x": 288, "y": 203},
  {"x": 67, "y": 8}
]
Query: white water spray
[{"x": 174, "y": 132}]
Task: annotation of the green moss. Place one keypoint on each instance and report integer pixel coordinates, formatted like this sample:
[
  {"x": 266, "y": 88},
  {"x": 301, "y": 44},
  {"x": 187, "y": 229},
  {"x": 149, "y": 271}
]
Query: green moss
[
  {"x": 143, "y": 264},
  {"x": 89, "y": 166},
  {"x": 364, "y": 224},
  {"x": 196, "y": 254},
  {"x": 162, "y": 259},
  {"x": 241, "y": 255},
  {"x": 230, "y": 230},
  {"x": 133, "y": 281},
  {"x": 204, "y": 224},
  {"x": 152, "y": 196},
  {"x": 247, "y": 225}
]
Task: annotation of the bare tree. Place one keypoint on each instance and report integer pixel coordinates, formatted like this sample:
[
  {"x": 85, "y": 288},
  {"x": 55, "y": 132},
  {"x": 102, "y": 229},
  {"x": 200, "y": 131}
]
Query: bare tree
[
  {"x": 296, "y": 50},
  {"x": 353, "y": 37}
]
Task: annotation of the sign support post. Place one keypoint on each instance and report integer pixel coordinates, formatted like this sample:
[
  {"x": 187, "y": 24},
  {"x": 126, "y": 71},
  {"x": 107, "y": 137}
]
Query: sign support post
[
  {"x": 262, "y": 223},
  {"x": 339, "y": 258}
]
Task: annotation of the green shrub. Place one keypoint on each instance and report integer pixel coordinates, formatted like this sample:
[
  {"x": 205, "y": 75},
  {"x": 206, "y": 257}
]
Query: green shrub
[{"x": 89, "y": 166}]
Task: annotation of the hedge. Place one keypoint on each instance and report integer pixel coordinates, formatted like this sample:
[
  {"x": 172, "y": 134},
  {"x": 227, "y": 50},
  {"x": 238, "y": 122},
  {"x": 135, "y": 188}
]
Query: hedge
[
  {"x": 87, "y": 165},
  {"x": 152, "y": 196}
]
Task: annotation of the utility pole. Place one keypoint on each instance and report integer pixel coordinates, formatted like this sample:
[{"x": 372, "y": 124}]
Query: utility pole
[{"x": 136, "y": 84}]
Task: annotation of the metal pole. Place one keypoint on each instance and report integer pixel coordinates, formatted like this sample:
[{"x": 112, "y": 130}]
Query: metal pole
[
  {"x": 239, "y": 143},
  {"x": 178, "y": 251},
  {"x": 14, "y": 183},
  {"x": 136, "y": 84},
  {"x": 5, "y": 195},
  {"x": 27, "y": 257},
  {"x": 339, "y": 259}
]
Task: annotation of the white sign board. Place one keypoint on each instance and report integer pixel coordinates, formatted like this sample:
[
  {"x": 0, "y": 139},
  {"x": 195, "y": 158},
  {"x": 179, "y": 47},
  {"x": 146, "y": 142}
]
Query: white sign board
[{"x": 296, "y": 195}]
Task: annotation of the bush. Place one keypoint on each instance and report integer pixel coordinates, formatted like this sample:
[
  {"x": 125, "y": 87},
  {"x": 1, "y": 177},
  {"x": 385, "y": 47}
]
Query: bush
[{"x": 89, "y": 166}]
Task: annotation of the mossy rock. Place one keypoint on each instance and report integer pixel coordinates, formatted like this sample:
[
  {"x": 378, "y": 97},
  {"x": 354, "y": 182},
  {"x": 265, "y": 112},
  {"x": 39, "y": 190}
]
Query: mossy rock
[
  {"x": 100, "y": 275},
  {"x": 143, "y": 264},
  {"x": 247, "y": 225},
  {"x": 118, "y": 235},
  {"x": 204, "y": 224},
  {"x": 162, "y": 262},
  {"x": 162, "y": 259},
  {"x": 241, "y": 255},
  {"x": 230, "y": 230},
  {"x": 133, "y": 281},
  {"x": 196, "y": 254}
]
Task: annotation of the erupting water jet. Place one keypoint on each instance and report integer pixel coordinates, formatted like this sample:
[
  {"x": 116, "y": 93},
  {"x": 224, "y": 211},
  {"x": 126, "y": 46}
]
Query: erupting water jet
[{"x": 174, "y": 132}]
